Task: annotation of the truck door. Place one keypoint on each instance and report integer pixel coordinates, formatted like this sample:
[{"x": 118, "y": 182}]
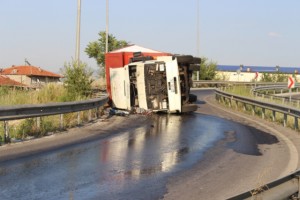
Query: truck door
[{"x": 173, "y": 81}]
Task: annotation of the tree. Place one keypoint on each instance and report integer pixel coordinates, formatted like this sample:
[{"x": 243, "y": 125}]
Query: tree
[
  {"x": 97, "y": 48},
  {"x": 77, "y": 80},
  {"x": 207, "y": 69}
]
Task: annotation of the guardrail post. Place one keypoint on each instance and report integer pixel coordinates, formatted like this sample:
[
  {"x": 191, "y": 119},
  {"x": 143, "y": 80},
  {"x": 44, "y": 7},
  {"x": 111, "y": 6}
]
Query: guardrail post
[
  {"x": 244, "y": 107},
  {"x": 253, "y": 110},
  {"x": 284, "y": 120},
  {"x": 90, "y": 115},
  {"x": 296, "y": 123},
  {"x": 61, "y": 121},
  {"x": 38, "y": 123},
  {"x": 298, "y": 186},
  {"x": 298, "y": 102},
  {"x": 283, "y": 100},
  {"x": 263, "y": 113},
  {"x": 96, "y": 112},
  {"x": 78, "y": 118},
  {"x": 6, "y": 132},
  {"x": 273, "y": 115}
]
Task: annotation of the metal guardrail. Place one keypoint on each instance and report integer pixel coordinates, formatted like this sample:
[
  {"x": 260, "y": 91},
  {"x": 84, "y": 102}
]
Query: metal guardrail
[
  {"x": 266, "y": 93},
  {"x": 222, "y": 83},
  {"x": 287, "y": 187},
  {"x": 275, "y": 108},
  {"x": 30, "y": 111},
  {"x": 274, "y": 87}
]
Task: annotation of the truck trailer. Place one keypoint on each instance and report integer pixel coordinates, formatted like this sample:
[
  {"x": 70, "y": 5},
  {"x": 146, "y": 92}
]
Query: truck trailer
[{"x": 152, "y": 81}]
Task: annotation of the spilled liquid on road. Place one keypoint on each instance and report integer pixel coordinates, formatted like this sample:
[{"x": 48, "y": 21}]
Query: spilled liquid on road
[{"x": 133, "y": 164}]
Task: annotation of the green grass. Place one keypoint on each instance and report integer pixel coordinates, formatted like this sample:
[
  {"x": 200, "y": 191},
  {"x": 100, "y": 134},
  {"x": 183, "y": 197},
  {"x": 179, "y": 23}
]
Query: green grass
[{"x": 240, "y": 90}]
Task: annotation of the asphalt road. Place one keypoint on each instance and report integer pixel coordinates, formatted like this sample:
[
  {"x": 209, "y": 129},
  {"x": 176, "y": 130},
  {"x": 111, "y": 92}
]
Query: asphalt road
[{"x": 209, "y": 154}]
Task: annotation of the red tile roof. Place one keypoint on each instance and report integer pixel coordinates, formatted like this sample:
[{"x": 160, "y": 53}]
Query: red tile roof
[
  {"x": 28, "y": 71},
  {"x": 5, "y": 81}
]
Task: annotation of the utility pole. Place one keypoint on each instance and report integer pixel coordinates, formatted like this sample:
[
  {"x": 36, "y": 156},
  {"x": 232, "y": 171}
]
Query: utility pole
[
  {"x": 77, "y": 55},
  {"x": 198, "y": 32},
  {"x": 198, "y": 37},
  {"x": 107, "y": 21}
]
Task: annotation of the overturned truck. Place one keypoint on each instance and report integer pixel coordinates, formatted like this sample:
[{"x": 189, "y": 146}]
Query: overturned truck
[{"x": 153, "y": 81}]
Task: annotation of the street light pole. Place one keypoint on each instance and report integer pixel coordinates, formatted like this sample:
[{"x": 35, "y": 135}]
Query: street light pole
[
  {"x": 106, "y": 33},
  {"x": 77, "y": 55},
  {"x": 198, "y": 39}
]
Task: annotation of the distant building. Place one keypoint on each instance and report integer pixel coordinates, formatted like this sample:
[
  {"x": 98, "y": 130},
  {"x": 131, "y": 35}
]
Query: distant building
[
  {"x": 248, "y": 73},
  {"x": 30, "y": 76},
  {"x": 5, "y": 81}
]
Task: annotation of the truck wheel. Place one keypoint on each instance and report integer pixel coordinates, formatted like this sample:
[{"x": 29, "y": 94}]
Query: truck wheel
[
  {"x": 189, "y": 108},
  {"x": 185, "y": 59},
  {"x": 197, "y": 60},
  {"x": 192, "y": 98}
]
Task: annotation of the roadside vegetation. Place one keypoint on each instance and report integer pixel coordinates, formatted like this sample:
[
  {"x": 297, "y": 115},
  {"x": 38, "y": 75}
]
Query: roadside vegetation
[
  {"x": 274, "y": 77},
  {"x": 208, "y": 70}
]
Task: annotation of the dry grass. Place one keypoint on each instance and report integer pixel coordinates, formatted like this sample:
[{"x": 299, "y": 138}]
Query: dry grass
[{"x": 261, "y": 185}]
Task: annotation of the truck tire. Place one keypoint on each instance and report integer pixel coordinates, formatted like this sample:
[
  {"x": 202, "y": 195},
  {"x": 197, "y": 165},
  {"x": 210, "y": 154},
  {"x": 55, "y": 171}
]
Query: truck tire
[
  {"x": 189, "y": 108},
  {"x": 192, "y": 98},
  {"x": 194, "y": 67},
  {"x": 185, "y": 59},
  {"x": 197, "y": 60}
]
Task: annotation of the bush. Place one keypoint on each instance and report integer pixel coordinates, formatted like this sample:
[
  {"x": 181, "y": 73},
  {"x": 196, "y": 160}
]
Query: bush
[{"x": 77, "y": 82}]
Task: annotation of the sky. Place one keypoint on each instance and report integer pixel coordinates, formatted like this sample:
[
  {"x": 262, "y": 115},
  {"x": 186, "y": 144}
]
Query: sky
[{"x": 231, "y": 32}]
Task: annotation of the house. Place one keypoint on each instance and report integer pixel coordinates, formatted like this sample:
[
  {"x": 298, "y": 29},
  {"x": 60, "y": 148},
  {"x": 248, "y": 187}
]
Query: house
[
  {"x": 30, "y": 76},
  {"x": 5, "y": 81}
]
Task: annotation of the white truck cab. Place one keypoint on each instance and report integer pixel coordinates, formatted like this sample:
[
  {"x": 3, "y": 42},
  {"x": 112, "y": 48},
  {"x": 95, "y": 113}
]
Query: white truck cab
[{"x": 160, "y": 85}]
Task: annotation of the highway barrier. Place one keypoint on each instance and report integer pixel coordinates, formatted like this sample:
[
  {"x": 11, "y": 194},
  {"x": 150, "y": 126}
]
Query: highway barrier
[
  {"x": 253, "y": 103},
  {"x": 287, "y": 187}
]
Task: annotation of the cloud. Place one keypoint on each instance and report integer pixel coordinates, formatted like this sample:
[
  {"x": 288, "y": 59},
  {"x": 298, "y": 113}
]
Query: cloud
[{"x": 274, "y": 34}]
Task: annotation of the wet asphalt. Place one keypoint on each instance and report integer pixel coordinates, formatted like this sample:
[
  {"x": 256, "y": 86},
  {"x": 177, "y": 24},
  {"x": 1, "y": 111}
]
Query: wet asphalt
[{"x": 130, "y": 164}]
